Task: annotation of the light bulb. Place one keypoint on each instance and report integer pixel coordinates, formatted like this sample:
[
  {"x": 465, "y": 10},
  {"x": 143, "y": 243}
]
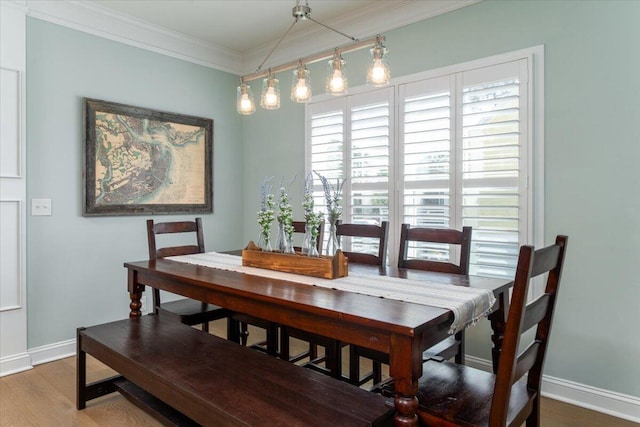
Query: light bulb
[
  {"x": 271, "y": 98},
  {"x": 300, "y": 84},
  {"x": 245, "y": 103},
  {"x": 337, "y": 82},
  {"x": 302, "y": 91},
  {"x": 378, "y": 72}
]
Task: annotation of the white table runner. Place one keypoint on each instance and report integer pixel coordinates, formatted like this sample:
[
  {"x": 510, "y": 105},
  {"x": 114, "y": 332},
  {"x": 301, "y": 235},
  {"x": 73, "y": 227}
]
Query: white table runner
[{"x": 467, "y": 304}]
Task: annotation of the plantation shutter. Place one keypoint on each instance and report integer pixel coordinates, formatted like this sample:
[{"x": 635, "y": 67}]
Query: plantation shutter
[
  {"x": 493, "y": 166},
  {"x": 461, "y": 156},
  {"x": 350, "y": 137}
]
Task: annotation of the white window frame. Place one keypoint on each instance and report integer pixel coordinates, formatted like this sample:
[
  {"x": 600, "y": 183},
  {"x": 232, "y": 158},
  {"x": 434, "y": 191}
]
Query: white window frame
[{"x": 534, "y": 133}]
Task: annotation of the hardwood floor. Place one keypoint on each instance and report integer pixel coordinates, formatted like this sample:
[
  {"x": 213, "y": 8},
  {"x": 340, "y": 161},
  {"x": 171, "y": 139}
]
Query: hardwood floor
[{"x": 45, "y": 396}]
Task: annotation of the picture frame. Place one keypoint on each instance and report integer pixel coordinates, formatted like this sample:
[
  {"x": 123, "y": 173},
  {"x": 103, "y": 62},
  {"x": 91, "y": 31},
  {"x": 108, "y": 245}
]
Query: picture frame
[{"x": 140, "y": 161}]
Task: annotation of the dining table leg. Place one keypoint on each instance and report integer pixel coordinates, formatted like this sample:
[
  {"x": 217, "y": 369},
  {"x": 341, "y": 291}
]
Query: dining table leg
[
  {"x": 405, "y": 366},
  {"x": 498, "y": 320},
  {"x": 135, "y": 295}
]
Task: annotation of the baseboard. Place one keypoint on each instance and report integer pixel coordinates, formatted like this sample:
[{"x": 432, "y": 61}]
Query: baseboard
[
  {"x": 52, "y": 352},
  {"x": 14, "y": 364},
  {"x": 608, "y": 402}
]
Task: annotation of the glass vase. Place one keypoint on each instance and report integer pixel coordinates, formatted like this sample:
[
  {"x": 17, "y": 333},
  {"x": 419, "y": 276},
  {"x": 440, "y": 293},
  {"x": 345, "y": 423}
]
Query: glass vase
[
  {"x": 312, "y": 249},
  {"x": 307, "y": 239},
  {"x": 333, "y": 243},
  {"x": 266, "y": 242},
  {"x": 288, "y": 248},
  {"x": 282, "y": 239}
]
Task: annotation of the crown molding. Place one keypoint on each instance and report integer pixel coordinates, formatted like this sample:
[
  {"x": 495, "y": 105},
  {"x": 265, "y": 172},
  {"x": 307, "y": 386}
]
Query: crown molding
[{"x": 103, "y": 22}]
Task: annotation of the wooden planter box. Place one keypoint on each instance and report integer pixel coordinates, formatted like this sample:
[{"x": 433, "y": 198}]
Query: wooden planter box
[{"x": 324, "y": 266}]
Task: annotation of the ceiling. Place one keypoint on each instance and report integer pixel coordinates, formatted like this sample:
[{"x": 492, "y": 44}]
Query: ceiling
[{"x": 236, "y": 35}]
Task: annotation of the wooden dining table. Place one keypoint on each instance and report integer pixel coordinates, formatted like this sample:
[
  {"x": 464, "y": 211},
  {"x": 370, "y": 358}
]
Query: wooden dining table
[{"x": 401, "y": 329}]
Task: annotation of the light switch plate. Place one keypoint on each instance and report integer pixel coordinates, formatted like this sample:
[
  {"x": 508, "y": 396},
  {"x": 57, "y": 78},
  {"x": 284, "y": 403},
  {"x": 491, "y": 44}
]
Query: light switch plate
[{"x": 40, "y": 207}]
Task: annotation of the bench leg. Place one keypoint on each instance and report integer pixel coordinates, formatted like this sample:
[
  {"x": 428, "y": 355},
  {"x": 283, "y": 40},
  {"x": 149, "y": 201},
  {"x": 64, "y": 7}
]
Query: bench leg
[
  {"x": 81, "y": 373},
  {"x": 86, "y": 392}
]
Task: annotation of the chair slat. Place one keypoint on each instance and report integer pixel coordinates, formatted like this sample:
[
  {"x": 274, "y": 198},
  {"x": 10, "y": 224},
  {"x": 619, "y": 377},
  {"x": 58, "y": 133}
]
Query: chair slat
[
  {"x": 175, "y": 227},
  {"x": 434, "y": 235},
  {"x": 441, "y": 267},
  {"x": 178, "y": 250},
  {"x": 546, "y": 260},
  {"x": 535, "y": 311},
  {"x": 526, "y": 360}
]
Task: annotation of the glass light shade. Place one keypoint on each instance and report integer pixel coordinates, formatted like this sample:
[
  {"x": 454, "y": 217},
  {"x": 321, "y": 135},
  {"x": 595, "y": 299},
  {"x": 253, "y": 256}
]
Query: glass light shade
[
  {"x": 336, "y": 80},
  {"x": 301, "y": 85},
  {"x": 270, "y": 99},
  {"x": 378, "y": 73},
  {"x": 245, "y": 102}
]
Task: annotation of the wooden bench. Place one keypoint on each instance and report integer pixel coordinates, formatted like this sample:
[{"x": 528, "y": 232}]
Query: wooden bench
[{"x": 210, "y": 381}]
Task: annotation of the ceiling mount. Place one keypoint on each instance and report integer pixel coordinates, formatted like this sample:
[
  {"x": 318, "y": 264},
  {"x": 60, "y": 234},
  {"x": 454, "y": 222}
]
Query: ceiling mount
[{"x": 301, "y": 11}]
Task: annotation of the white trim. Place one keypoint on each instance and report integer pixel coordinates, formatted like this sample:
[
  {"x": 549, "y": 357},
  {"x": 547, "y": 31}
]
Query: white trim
[
  {"x": 15, "y": 363},
  {"x": 608, "y": 402},
  {"x": 52, "y": 352}
]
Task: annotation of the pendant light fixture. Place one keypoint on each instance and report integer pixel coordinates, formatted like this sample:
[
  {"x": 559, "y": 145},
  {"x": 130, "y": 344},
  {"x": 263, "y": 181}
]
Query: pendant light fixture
[
  {"x": 336, "y": 80},
  {"x": 377, "y": 75},
  {"x": 245, "y": 102},
  {"x": 270, "y": 99},
  {"x": 301, "y": 85}
]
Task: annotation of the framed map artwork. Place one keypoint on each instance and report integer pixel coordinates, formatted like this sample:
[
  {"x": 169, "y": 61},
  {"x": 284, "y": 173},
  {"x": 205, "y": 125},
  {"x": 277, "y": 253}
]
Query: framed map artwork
[{"x": 141, "y": 162}]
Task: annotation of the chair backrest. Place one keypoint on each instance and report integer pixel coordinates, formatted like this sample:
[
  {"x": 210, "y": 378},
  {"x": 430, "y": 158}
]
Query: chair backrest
[
  {"x": 299, "y": 227},
  {"x": 522, "y": 317},
  {"x": 173, "y": 228},
  {"x": 435, "y": 235},
  {"x": 154, "y": 229},
  {"x": 380, "y": 232}
]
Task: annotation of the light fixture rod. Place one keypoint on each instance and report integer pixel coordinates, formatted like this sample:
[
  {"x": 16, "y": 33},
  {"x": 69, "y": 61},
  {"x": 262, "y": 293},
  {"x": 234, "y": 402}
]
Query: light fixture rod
[
  {"x": 332, "y": 29},
  {"x": 277, "y": 44},
  {"x": 311, "y": 59}
]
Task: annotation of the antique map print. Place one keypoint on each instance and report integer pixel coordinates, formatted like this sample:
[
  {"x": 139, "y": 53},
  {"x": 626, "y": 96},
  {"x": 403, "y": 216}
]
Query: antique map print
[{"x": 144, "y": 161}]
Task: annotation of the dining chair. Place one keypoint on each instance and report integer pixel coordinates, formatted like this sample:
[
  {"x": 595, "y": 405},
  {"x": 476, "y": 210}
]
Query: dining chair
[
  {"x": 270, "y": 344},
  {"x": 332, "y": 358},
  {"x": 187, "y": 311},
  {"x": 452, "y": 394},
  {"x": 424, "y": 241},
  {"x": 452, "y": 346}
]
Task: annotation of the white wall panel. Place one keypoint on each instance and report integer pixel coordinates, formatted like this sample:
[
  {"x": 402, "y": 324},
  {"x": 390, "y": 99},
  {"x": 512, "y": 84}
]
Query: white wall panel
[
  {"x": 10, "y": 118},
  {"x": 10, "y": 250},
  {"x": 13, "y": 312}
]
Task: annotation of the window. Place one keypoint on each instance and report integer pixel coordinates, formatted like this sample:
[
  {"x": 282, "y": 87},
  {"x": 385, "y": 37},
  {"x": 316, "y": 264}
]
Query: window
[{"x": 461, "y": 156}]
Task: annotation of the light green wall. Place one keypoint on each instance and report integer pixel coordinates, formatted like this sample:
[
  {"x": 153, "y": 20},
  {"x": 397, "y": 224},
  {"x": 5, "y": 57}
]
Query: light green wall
[
  {"x": 75, "y": 274},
  {"x": 592, "y": 145}
]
